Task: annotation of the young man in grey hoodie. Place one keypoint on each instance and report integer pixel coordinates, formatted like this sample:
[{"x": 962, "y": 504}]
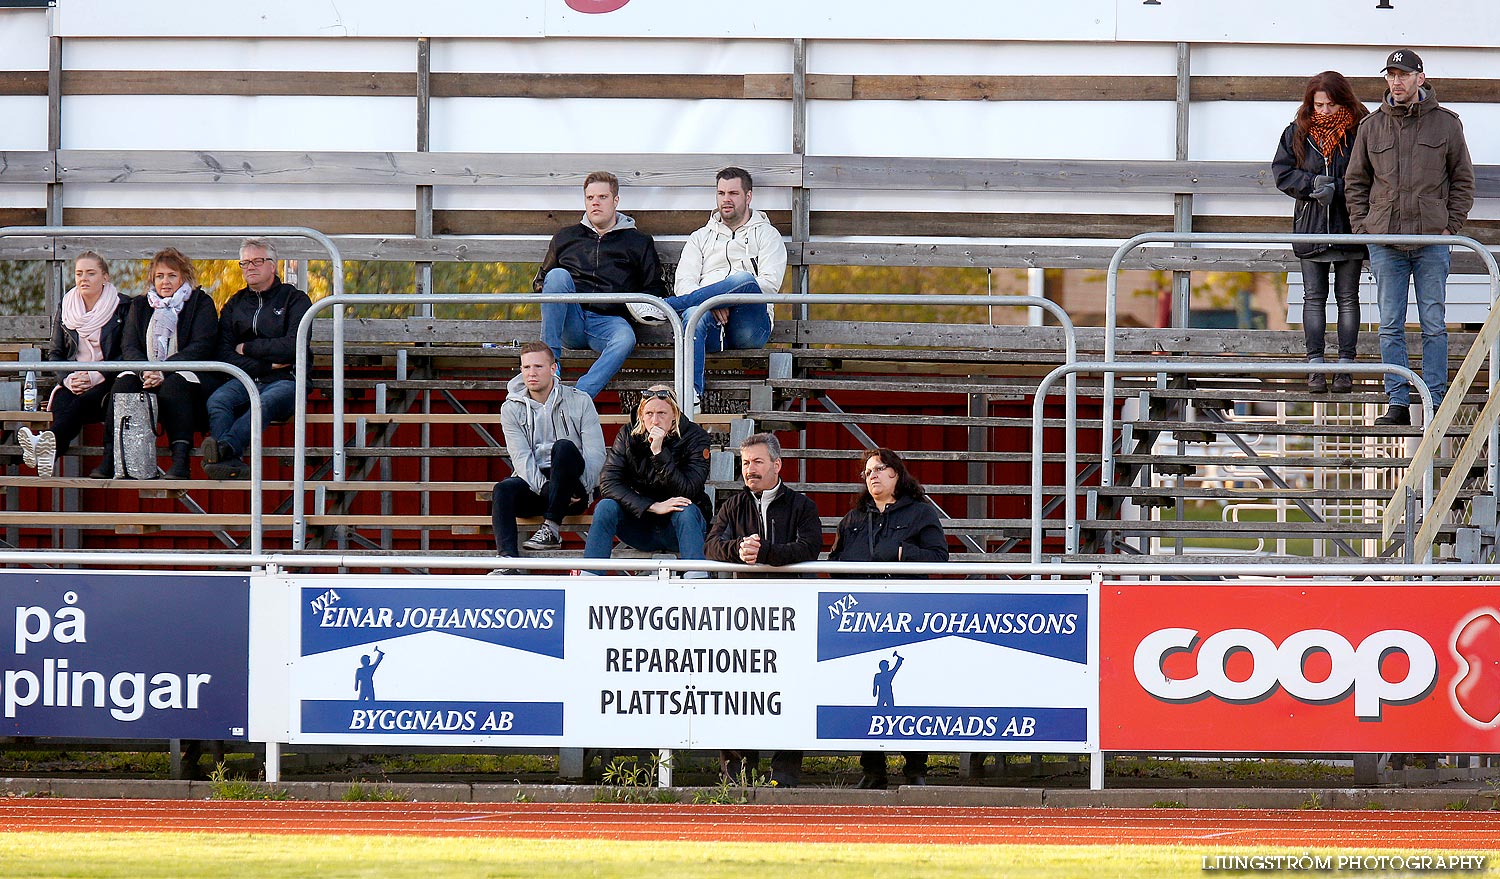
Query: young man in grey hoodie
[{"x": 556, "y": 452}]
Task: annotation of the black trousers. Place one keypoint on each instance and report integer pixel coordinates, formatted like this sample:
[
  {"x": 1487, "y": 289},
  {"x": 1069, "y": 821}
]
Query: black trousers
[
  {"x": 179, "y": 404},
  {"x": 70, "y": 412},
  {"x": 512, "y": 498},
  {"x": 1315, "y": 306}
]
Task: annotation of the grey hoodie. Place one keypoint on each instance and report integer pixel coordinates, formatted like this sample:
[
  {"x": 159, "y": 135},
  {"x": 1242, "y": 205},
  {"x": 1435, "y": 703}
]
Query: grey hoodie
[{"x": 531, "y": 428}]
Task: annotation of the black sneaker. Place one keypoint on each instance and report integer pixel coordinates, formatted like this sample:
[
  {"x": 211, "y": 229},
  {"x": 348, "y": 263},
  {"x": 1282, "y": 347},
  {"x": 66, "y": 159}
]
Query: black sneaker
[
  {"x": 1317, "y": 383},
  {"x": 544, "y": 539},
  {"x": 1343, "y": 383},
  {"x": 1395, "y": 415}
]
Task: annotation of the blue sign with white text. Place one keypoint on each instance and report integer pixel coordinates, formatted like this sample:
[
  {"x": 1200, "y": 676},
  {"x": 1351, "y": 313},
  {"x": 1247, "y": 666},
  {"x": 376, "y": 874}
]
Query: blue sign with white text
[
  {"x": 952, "y": 723},
  {"x": 433, "y": 718},
  {"x": 525, "y": 619},
  {"x": 94, "y": 655},
  {"x": 1047, "y": 625}
]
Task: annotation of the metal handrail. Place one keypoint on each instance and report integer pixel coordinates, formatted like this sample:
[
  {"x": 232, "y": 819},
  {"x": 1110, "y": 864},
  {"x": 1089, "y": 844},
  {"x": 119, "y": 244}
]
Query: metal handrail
[
  {"x": 1110, "y": 368},
  {"x": 340, "y": 300},
  {"x": 272, "y": 562},
  {"x": 1070, "y": 337},
  {"x": 257, "y": 516},
  {"x": 1435, "y": 431}
]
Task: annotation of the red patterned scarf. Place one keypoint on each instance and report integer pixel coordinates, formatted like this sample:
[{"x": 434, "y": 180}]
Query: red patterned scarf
[{"x": 1328, "y": 131}]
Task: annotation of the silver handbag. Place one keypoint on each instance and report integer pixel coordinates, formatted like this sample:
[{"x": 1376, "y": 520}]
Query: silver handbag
[{"x": 135, "y": 436}]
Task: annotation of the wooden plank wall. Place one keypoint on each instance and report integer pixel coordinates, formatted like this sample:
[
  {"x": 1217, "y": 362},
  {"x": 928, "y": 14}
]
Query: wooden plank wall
[{"x": 387, "y": 234}]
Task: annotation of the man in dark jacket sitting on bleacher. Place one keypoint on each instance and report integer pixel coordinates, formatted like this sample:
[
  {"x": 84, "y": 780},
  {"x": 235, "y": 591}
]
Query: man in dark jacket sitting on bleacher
[
  {"x": 602, "y": 253},
  {"x": 257, "y": 333},
  {"x": 765, "y": 523}
]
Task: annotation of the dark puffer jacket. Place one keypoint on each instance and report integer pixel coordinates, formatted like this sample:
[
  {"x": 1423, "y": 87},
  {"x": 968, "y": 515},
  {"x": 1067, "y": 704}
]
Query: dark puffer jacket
[
  {"x": 908, "y": 530},
  {"x": 622, "y": 260},
  {"x": 636, "y": 479}
]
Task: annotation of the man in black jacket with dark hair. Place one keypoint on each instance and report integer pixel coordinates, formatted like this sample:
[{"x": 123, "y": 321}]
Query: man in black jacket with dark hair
[
  {"x": 765, "y": 523},
  {"x": 602, "y": 253},
  {"x": 257, "y": 333}
]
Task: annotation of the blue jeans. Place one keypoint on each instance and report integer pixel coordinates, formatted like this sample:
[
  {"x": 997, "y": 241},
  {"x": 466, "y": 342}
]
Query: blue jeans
[
  {"x": 749, "y": 325},
  {"x": 229, "y": 411},
  {"x": 1428, "y": 267},
  {"x": 682, "y": 532},
  {"x": 570, "y": 324}
]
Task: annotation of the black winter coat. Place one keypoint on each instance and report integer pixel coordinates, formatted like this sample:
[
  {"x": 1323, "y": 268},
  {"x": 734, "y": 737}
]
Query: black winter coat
[
  {"x": 1296, "y": 180},
  {"x": 793, "y": 534},
  {"x": 197, "y": 329},
  {"x": 622, "y": 260},
  {"x": 908, "y": 530},
  {"x": 266, "y": 323},
  {"x": 636, "y": 479}
]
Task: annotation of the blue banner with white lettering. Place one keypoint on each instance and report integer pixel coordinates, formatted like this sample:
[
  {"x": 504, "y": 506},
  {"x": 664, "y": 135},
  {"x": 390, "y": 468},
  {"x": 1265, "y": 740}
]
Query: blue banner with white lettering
[
  {"x": 141, "y": 656},
  {"x": 861, "y": 622},
  {"x": 433, "y": 718},
  {"x": 527, "y": 619},
  {"x": 919, "y": 723}
]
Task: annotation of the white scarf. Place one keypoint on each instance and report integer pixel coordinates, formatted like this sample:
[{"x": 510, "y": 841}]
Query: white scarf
[{"x": 162, "y": 330}]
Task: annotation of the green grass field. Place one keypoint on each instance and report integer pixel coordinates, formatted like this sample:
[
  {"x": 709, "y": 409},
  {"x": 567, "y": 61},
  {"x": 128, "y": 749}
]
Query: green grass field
[{"x": 210, "y": 856}]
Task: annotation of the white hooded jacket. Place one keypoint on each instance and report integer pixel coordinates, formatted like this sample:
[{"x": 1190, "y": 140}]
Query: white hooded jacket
[{"x": 713, "y": 253}]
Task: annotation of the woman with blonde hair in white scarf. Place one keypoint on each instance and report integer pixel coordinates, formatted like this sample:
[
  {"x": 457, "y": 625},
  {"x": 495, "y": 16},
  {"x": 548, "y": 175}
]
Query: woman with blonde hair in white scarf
[{"x": 86, "y": 329}]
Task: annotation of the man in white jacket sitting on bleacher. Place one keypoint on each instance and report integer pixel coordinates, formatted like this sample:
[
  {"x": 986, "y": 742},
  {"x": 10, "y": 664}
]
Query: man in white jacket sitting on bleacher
[{"x": 739, "y": 251}]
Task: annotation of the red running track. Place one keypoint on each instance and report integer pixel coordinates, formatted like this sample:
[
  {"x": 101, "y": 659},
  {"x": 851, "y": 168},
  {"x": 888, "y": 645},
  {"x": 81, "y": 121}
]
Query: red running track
[{"x": 1451, "y": 831}]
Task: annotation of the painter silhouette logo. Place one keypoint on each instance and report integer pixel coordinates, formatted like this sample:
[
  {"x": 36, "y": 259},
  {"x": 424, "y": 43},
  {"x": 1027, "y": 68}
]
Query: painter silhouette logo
[
  {"x": 881, "y": 689},
  {"x": 1476, "y": 689},
  {"x": 364, "y": 676}
]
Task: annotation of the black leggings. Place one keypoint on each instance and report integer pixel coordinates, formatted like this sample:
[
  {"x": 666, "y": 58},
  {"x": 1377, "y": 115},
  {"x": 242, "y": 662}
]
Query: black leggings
[
  {"x": 179, "y": 403},
  {"x": 1315, "y": 306},
  {"x": 70, "y": 412}
]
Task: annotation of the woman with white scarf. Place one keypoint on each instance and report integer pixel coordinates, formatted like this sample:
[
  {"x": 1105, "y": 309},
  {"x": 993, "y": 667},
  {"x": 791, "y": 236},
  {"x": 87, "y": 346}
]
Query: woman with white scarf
[
  {"x": 86, "y": 329},
  {"x": 174, "y": 321}
]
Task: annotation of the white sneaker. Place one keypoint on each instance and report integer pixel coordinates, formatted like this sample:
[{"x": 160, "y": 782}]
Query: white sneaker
[
  {"x": 46, "y": 453},
  {"x": 27, "y": 441}
]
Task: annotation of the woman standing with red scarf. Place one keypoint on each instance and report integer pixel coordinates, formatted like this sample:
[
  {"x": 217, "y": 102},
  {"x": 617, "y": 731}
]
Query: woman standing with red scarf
[{"x": 1309, "y": 165}]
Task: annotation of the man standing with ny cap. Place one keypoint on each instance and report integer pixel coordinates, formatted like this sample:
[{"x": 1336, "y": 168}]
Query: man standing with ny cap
[{"x": 1410, "y": 174}]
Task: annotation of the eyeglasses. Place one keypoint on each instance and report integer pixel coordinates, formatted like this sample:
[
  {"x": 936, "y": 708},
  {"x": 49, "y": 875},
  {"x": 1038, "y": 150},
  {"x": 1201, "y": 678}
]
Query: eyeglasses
[
  {"x": 256, "y": 263},
  {"x": 874, "y": 470},
  {"x": 649, "y": 394}
]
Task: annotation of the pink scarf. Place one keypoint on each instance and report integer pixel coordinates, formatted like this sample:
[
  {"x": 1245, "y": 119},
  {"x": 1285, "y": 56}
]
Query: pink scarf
[{"x": 89, "y": 323}]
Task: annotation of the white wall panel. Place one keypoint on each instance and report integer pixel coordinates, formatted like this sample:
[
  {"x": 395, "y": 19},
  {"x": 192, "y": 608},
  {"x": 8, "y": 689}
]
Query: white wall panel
[
  {"x": 1016, "y": 130},
  {"x": 1405, "y": 22},
  {"x": 298, "y": 18},
  {"x": 530, "y": 125},
  {"x": 23, "y": 196},
  {"x": 25, "y": 125},
  {"x": 564, "y": 55},
  {"x": 992, "y": 202},
  {"x": 240, "y": 54},
  {"x": 1351, "y": 60},
  {"x": 208, "y": 122},
  {"x": 125, "y": 195},
  {"x": 23, "y": 36},
  {"x": 992, "y": 59}
]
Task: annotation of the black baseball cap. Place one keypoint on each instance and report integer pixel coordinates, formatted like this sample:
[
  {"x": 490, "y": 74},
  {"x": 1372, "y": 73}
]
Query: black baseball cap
[{"x": 1404, "y": 59}]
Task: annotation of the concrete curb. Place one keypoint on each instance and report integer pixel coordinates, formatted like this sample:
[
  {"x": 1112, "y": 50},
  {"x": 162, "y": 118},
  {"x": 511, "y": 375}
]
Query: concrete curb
[{"x": 1448, "y": 798}]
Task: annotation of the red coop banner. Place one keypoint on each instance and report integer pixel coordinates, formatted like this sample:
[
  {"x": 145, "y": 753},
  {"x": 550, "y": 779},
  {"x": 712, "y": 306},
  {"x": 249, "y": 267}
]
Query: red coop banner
[{"x": 1411, "y": 667}]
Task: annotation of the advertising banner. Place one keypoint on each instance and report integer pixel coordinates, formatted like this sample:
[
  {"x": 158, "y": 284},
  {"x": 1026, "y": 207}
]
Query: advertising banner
[
  {"x": 148, "y": 656},
  {"x": 1362, "y": 667},
  {"x": 633, "y": 662}
]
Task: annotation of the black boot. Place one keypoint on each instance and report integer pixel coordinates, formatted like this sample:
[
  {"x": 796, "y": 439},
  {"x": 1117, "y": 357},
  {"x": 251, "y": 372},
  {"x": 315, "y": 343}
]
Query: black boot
[
  {"x": 106, "y": 468},
  {"x": 181, "y": 450}
]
